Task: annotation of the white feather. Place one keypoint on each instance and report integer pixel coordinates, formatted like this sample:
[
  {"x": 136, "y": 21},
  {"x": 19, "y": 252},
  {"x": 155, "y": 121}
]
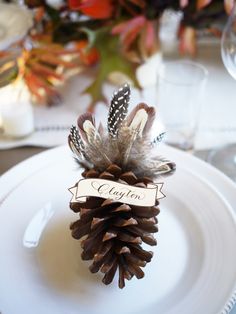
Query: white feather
[
  {"x": 89, "y": 129},
  {"x": 139, "y": 121}
]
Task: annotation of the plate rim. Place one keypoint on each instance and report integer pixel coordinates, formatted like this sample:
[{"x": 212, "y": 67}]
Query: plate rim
[{"x": 10, "y": 174}]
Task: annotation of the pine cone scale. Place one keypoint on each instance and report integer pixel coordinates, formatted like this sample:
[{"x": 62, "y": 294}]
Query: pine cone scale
[{"x": 107, "y": 279}]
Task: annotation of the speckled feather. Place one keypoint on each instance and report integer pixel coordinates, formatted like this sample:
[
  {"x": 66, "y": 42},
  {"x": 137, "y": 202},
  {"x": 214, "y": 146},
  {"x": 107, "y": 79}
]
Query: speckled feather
[
  {"x": 76, "y": 139},
  {"x": 158, "y": 139},
  {"x": 118, "y": 109}
]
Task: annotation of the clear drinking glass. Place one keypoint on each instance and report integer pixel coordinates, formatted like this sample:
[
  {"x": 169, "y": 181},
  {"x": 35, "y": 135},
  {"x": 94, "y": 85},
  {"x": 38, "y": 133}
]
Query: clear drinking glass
[
  {"x": 179, "y": 95},
  {"x": 224, "y": 158}
]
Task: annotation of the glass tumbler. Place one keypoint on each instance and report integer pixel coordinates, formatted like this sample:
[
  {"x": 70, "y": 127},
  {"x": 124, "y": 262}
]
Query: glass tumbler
[{"x": 180, "y": 92}]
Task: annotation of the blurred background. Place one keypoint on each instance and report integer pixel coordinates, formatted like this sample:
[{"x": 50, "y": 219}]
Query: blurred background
[{"x": 61, "y": 58}]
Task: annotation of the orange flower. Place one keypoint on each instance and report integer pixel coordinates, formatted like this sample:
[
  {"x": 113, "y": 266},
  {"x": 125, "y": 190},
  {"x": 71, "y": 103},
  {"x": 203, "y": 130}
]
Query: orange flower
[
  {"x": 97, "y": 9},
  {"x": 138, "y": 37},
  {"x": 88, "y": 56},
  {"x": 49, "y": 65},
  {"x": 129, "y": 30}
]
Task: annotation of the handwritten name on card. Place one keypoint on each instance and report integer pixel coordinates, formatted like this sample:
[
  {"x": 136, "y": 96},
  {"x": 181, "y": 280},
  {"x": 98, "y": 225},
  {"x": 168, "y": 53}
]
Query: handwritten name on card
[{"x": 124, "y": 193}]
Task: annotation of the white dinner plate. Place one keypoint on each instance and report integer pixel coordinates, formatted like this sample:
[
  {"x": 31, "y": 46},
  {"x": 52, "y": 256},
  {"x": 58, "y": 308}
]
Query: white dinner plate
[{"x": 193, "y": 270}]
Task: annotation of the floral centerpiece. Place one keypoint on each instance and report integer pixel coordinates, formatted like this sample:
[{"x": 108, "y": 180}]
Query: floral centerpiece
[{"x": 112, "y": 36}]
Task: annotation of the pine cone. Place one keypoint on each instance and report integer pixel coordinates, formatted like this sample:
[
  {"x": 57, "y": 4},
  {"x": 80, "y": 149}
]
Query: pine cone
[
  {"x": 122, "y": 152},
  {"x": 114, "y": 230}
]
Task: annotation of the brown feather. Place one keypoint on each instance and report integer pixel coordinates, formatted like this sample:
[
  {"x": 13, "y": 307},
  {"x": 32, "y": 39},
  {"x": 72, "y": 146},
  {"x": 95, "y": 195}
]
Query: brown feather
[
  {"x": 151, "y": 112},
  {"x": 80, "y": 123}
]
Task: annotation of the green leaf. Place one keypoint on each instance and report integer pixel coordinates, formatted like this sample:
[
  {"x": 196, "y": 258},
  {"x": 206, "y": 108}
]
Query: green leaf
[{"x": 111, "y": 60}]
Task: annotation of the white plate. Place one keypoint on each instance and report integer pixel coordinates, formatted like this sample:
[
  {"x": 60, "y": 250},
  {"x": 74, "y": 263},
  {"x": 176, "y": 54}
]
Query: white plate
[{"x": 40, "y": 266}]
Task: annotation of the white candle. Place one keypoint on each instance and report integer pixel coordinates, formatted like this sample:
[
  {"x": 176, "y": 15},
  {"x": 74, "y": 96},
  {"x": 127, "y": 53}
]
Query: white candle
[
  {"x": 17, "y": 120},
  {"x": 16, "y": 112}
]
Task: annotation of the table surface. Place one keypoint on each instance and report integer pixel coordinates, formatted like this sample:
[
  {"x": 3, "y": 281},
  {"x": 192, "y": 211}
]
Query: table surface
[{"x": 11, "y": 157}]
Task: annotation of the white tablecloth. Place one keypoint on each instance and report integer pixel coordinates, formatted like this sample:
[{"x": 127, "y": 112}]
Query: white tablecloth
[{"x": 217, "y": 122}]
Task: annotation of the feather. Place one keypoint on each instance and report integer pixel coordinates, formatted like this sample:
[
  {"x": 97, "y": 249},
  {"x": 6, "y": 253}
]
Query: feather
[
  {"x": 133, "y": 136},
  {"x": 79, "y": 158},
  {"x": 76, "y": 139},
  {"x": 90, "y": 131},
  {"x": 158, "y": 139},
  {"x": 76, "y": 144},
  {"x": 94, "y": 142},
  {"x": 139, "y": 121},
  {"x": 86, "y": 120},
  {"x": 141, "y": 115},
  {"x": 83, "y": 163},
  {"x": 77, "y": 147},
  {"x": 165, "y": 167},
  {"x": 136, "y": 125},
  {"x": 101, "y": 130},
  {"x": 118, "y": 109},
  {"x": 141, "y": 165},
  {"x": 72, "y": 147}
]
